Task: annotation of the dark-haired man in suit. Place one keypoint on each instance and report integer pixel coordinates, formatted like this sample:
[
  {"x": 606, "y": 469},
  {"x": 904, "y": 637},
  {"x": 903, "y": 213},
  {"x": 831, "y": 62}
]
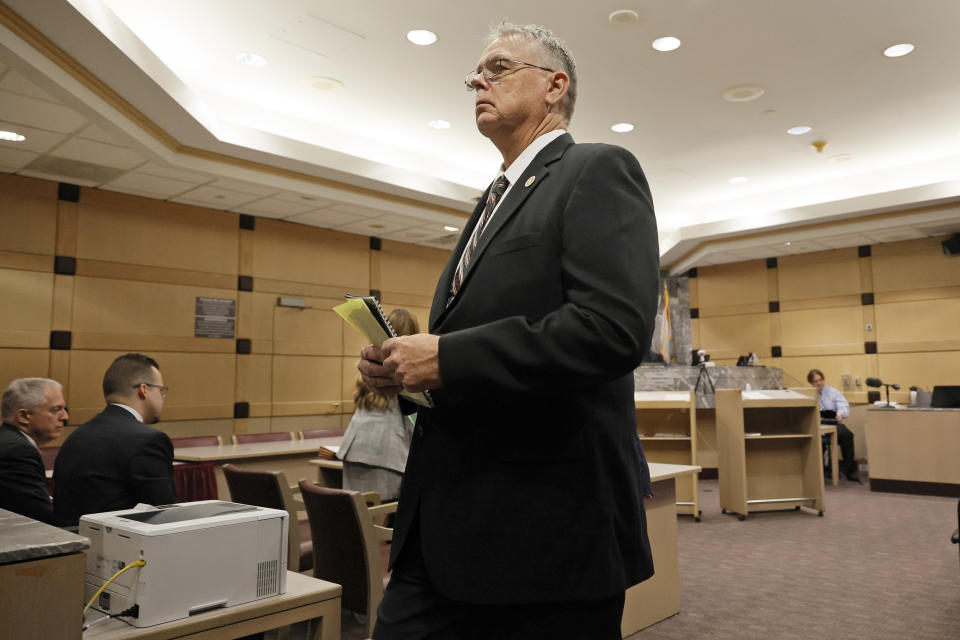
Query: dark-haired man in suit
[
  {"x": 521, "y": 511},
  {"x": 33, "y": 414},
  {"x": 117, "y": 460}
]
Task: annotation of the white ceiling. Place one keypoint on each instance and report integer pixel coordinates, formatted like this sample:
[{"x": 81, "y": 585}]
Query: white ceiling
[{"x": 362, "y": 158}]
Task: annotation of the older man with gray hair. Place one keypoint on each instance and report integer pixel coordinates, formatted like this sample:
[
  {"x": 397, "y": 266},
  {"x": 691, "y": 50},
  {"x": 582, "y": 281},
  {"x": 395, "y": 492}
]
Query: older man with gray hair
[
  {"x": 521, "y": 512},
  {"x": 33, "y": 414}
]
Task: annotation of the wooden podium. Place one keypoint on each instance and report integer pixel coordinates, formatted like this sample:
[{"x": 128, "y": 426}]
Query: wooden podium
[{"x": 769, "y": 449}]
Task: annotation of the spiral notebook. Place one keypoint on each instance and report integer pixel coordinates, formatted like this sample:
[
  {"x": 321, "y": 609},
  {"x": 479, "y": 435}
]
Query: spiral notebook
[{"x": 365, "y": 314}]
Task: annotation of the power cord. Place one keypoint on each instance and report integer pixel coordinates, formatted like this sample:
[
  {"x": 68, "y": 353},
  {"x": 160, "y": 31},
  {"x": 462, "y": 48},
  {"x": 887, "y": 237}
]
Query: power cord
[
  {"x": 132, "y": 611},
  {"x": 138, "y": 563}
]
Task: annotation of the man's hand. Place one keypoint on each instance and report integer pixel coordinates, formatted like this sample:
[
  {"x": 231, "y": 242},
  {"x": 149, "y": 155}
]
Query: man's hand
[{"x": 407, "y": 362}]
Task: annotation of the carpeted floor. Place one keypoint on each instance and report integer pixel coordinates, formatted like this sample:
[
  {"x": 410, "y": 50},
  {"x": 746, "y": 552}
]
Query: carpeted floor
[{"x": 876, "y": 566}]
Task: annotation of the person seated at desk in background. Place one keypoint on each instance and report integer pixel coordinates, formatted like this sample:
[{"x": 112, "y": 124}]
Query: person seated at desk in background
[
  {"x": 832, "y": 400},
  {"x": 377, "y": 440},
  {"x": 33, "y": 414},
  {"x": 116, "y": 460}
]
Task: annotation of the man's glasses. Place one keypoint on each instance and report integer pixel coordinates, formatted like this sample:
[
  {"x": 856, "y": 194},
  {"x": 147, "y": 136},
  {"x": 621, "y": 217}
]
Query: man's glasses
[
  {"x": 494, "y": 69},
  {"x": 163, "y": 388}
]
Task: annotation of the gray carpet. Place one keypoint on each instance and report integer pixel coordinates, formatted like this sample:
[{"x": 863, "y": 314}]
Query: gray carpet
[{"x": 876, "y": 566}]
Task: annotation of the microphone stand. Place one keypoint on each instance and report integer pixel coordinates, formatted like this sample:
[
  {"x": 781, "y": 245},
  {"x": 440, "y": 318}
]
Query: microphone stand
[
  {"x": 888, "y": 395},
  {"x": 700, "y": 376}
]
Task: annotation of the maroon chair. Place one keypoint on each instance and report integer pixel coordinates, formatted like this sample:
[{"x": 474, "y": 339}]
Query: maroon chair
[
  {"x": 196, "y": 441},
  {"x": 348, "y": 545},
  {"x": 308, "y": 434},
  {"x": 270, "y": 489},
  {"x": 274, "y": 436}
]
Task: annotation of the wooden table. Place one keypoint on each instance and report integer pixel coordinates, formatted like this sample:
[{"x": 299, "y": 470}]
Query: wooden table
[
  {"x": 914, "y": 450},
  {"x": 830, "y": 430},
  {"x": 658, "y": 597},
  {"x": 306, "y": 599},
  {"x": 292, "y": 457}
]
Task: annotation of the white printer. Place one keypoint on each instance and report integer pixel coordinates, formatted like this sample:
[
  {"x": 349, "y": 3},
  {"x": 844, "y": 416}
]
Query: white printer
[{"x": 198, "y": 555}]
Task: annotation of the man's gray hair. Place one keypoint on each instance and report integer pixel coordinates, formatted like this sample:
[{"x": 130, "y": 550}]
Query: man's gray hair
[
  {"x": 25, "y": 393},
  {"x": 555, "y": 48}
]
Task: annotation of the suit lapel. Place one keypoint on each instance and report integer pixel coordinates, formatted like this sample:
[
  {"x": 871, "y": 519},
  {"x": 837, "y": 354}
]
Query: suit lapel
[{"x": 537, "y": 170}]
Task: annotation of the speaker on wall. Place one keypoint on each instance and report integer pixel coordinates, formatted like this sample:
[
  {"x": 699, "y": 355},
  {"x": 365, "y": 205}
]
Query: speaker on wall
[{"x": 951, "y": 246}]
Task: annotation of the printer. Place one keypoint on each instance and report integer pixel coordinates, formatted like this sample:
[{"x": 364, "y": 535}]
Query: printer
[{"x": 199, "y": 556}]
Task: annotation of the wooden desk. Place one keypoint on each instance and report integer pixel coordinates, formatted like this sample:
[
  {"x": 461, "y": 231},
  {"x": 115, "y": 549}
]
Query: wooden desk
[
  {"x": 770, "y": 451},
  {"x": 291, "y": 457},
  {"x": 658, "y": 597},
  {"x": 329, "y": 472},
  {"x": 306, "y": 598},
  {"x": 667, "y": 427},
  {"x": 830, "y": 430},
  {"x": 914, "y": 450},
  {"x": 41, "y": 579}
]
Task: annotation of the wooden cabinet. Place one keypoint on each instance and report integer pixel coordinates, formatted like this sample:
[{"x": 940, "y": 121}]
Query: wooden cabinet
[
  {"x": 769, "y": 451},
  {"x": 667, "y": 427}
]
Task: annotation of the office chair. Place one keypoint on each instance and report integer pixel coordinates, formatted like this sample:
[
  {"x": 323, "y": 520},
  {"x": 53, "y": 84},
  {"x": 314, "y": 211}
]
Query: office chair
[
  {"x": 272, "y": 436},
  {"x": 196, "y": 441},
  {"x": 308, "y": 434},
  {"x": 270, "y": 489},
  {"x": 348, "y": 545}
]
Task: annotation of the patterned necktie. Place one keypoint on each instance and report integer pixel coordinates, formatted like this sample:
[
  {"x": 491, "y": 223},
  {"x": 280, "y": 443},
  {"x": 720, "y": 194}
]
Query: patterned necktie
[{"x": 496, "y": 192}]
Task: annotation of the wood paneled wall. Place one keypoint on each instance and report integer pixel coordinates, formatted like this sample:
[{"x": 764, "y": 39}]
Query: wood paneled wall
[
  {"x": 888, "y": 310},
  {"x": 138, "y": 266}
]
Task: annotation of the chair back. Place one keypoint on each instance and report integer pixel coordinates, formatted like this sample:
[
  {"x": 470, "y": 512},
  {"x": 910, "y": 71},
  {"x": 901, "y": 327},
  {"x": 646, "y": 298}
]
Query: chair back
[
  {"x": 272, "y": 436},
  {"x": 307, "y": 434},
  {"x": 346, "y": 545},
  {"x": 270, "y": 489},
  {"x": 196, "y": 441},
  {"x": 49, "y": 455}
]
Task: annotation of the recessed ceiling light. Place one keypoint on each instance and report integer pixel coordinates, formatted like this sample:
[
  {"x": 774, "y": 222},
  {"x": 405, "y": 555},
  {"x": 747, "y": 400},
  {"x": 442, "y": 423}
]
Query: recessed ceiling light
[
  {"x": 667, "y": 43},
  {"x": 421, "y": 37},
  {"x": 738, "y": 180},
  {"x": 623, "y": 15},
  {"x": 439, "y": 124},
  {"x": 447, "y": 227},
  {"x": 252, "y": 59},
  {"x": 11, "y": 136},
  {"x": 898, "y": 50},
  {"x": 799, "y": 130},
  {"x": 622, "y": 127},
  {"x": 743, "y": 93},
  {"x": 787, "y": 243},
  {"x": 323, "y": 83},
  {"x": 841, "y": 158}
]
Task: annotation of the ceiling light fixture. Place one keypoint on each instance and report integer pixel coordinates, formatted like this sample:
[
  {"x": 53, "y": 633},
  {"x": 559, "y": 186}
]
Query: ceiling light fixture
[
  {"x": 447, "y": 227},
  {"x": 898, "y": 50},
  {"x": 11, "y": 136},
  {"x": 438, "y": 124},
  {"x": 323, "y": 83},
  {"x": 667, "y": 43},
  {"x": 252, "y": 59},
  {"x": 623, "y": 16},
  {"x": 622, "y": 127},
  {"x": 742, "y": 93},
  {"x": 799, "y": 130},
  {"x": 787, "y": 244},
  {"x": 738, "y": 180},
  {"x": 421, "y": 37}
]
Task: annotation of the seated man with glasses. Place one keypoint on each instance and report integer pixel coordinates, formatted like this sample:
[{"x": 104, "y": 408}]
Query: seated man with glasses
[{"x": 116, "y": 460}]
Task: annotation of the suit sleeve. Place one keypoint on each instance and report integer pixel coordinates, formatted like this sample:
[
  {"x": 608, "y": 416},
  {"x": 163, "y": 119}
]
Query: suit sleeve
[
  {"x": 151, "y": 469},
  {"x": 609, "y": 267},
  {"x": 24, "y": 483}
]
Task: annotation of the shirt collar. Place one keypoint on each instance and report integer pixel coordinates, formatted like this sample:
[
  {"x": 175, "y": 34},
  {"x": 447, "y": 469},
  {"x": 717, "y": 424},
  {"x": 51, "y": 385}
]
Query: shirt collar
[
  {"x": 515, "y": 170},
  {"x": 136, "y": 414}
]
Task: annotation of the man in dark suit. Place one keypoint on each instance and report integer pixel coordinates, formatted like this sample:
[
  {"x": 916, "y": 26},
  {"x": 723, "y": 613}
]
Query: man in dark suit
[
  {"x": 116, "y": 460},
  {"x": 521, "y": 511},
  {"x": 33, "y": 414}
]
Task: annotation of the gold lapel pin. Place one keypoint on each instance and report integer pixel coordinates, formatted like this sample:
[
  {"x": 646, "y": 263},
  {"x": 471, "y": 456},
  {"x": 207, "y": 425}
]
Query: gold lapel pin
[{"x": 529, "y": 181}]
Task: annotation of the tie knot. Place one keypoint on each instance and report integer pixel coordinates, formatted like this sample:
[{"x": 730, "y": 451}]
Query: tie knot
[{"x": 499, "y": 186}]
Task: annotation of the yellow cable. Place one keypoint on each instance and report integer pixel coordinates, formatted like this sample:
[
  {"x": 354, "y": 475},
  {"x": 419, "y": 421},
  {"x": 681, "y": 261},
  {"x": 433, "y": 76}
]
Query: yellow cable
[{"x": 138, "y": 563}]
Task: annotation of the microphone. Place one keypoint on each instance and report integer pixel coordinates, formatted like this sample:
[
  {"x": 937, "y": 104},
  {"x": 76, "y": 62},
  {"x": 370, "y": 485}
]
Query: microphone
[{"x": 877, "y": 382}]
